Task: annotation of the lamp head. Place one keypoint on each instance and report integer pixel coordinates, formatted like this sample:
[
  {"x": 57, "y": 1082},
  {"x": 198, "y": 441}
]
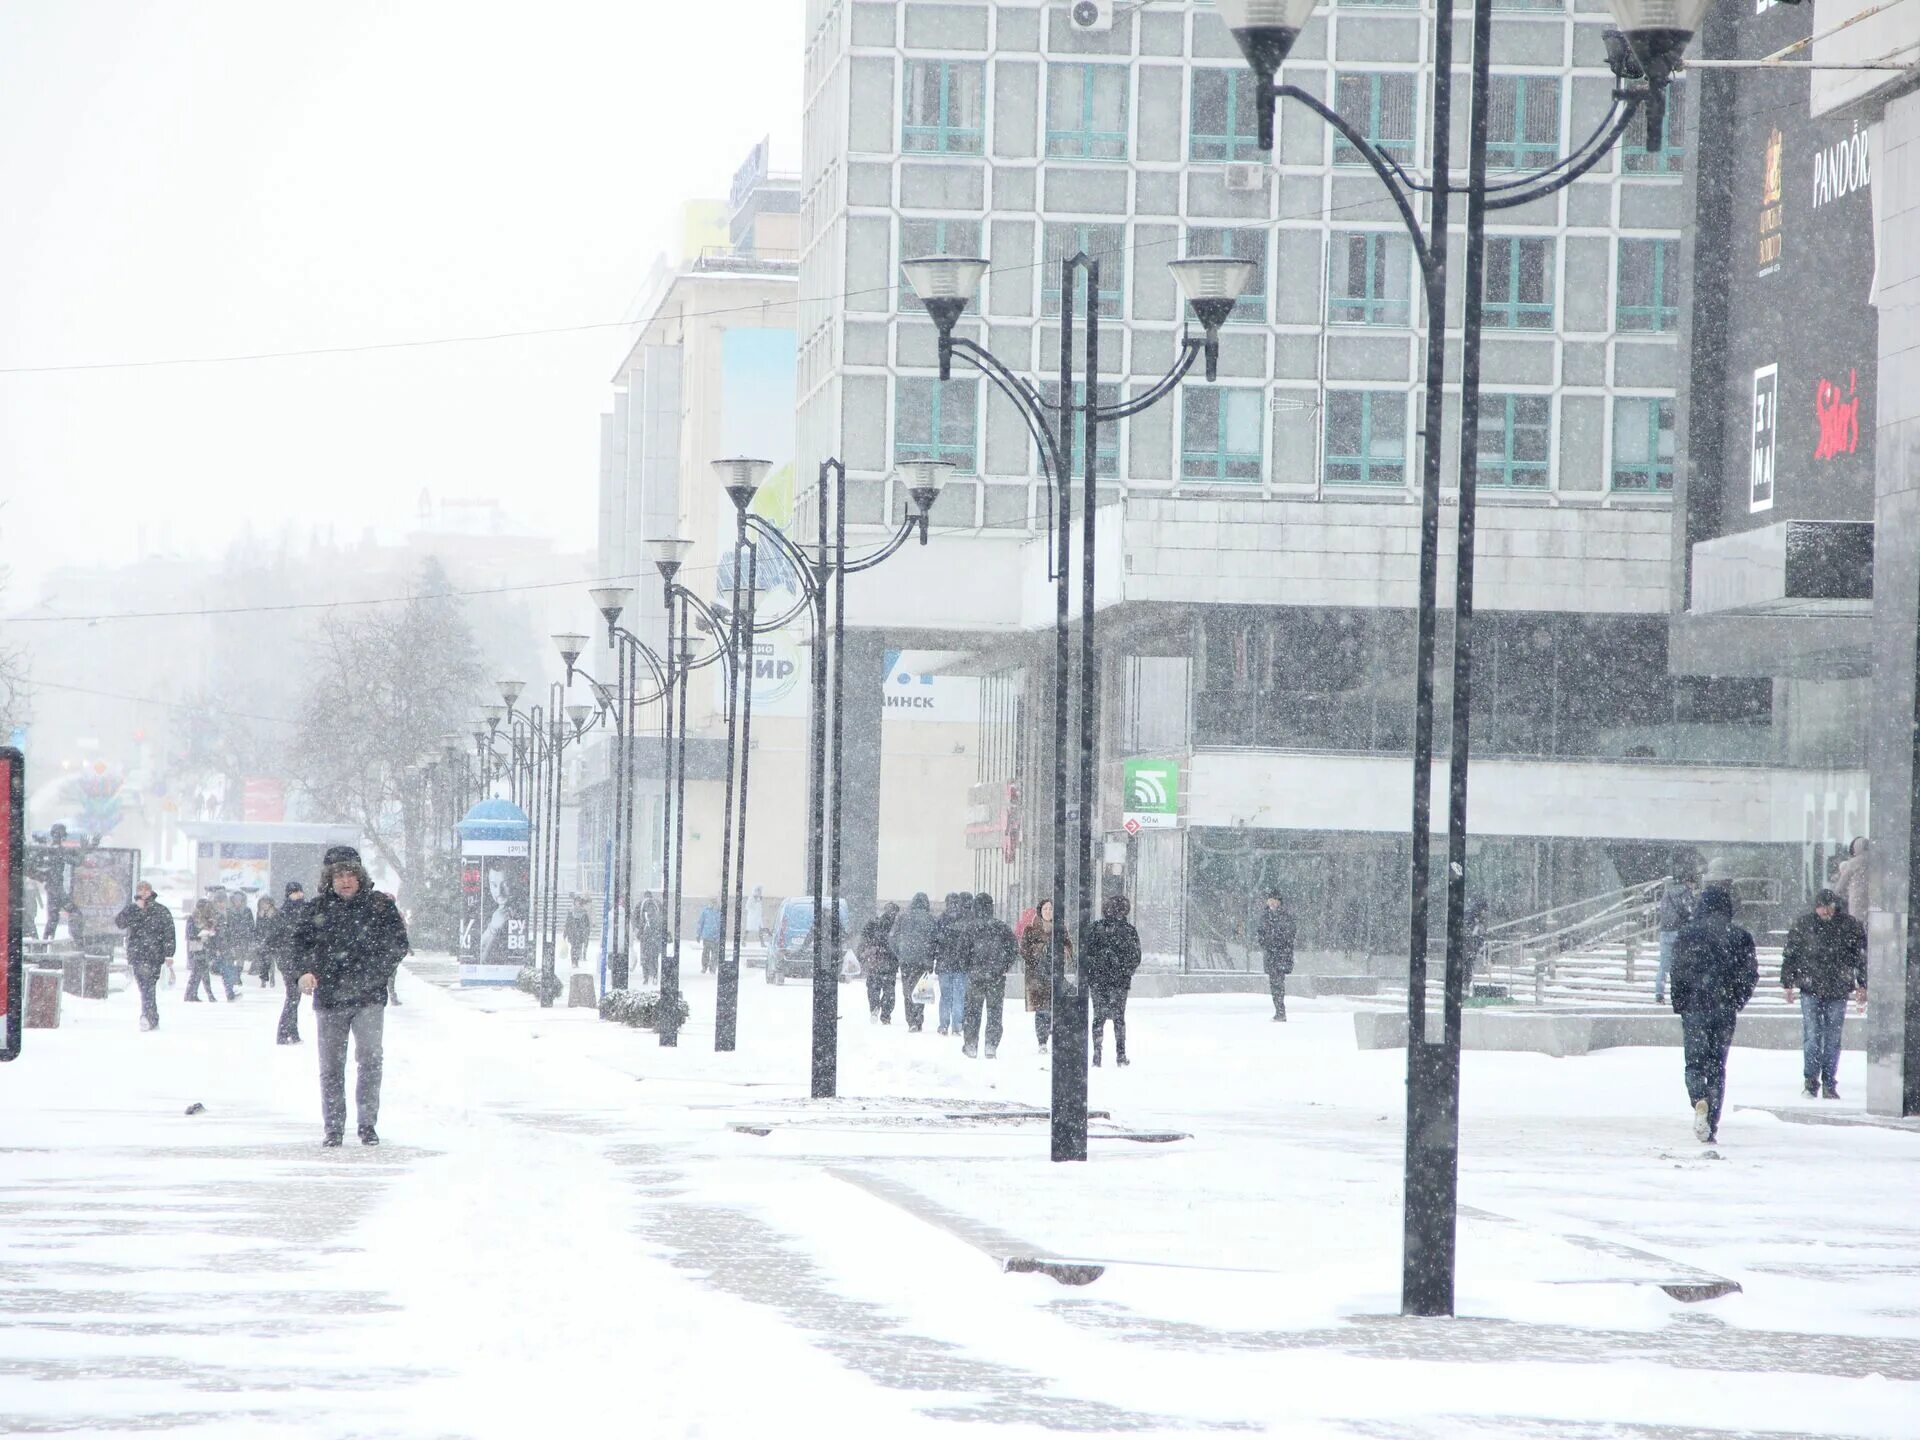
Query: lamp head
[
  {"x": 685, "y": 648},
  {"x": 510, "y": 691},
  {"x": 742, "y": 478},
  {"x": 570, "y": 645},
  {"x": 1656, "y": 34},
  {"x": 1210, "y": 284},
  {"x": 925, "y": 480},
  {"x": 610, "y": 600},
  {"x": 1266, "y": 30},
  {"x": 946, "y": 285},
  {"x": 668, "y": 554},
  {"x": 495, "y": 714},
  {"x": 580, "y": 715}
]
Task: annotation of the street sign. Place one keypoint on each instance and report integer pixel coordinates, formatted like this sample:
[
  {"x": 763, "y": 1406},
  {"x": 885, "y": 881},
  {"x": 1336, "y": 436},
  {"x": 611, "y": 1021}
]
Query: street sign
[
  {"x": 13, "y": 806},
  {"x": 1152, "y": 795}
]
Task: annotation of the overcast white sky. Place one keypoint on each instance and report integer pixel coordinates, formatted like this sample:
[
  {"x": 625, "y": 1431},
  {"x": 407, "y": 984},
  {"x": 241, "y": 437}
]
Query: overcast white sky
[{"x": 205, "y": 177}]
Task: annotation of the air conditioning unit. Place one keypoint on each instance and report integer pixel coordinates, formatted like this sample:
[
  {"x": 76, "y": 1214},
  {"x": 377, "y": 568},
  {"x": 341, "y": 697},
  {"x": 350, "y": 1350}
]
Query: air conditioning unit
[
  {"x": 1091, "y": 14},
  {"x": 1246, "y": 177}
]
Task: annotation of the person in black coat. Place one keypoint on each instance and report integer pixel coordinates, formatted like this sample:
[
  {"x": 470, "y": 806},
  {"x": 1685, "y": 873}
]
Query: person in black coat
[
  {"x": 1275, "y": 939},
  {"x": 991, "y": 953},
  {"x": 913, "y": 943},
  {"x": 578, "y": 930},
  {"x": 949, "y": 943},
  {"x": 1714, "y": 972},
  {"x": 1112, "y": 955},
  {"x": 879, "y": 963},
  {"x": 279, "y": 948},
  {"x": 149, "y": 927},
  {"x": 350, "y": 941},
  {"x": 1826, "y": 961}
]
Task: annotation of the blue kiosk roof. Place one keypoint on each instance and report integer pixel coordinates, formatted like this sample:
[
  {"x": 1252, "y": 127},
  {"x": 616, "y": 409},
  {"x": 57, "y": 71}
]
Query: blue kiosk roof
[{"x": 495, "y": 819}]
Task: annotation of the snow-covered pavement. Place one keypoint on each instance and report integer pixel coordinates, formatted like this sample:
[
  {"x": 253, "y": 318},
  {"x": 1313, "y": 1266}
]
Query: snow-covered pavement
[{"x": 573, "y": 1231}]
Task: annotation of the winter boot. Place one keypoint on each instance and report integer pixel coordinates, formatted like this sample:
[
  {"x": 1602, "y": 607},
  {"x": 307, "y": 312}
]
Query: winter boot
[
  {"x": 1702, "y": 1127},
  {"x": 1812, "y": 1088},
  {"x": 972, "y": 1052},
  {"x": 992, "y": 1050},
  {"x": 1829, "y": 1092}
]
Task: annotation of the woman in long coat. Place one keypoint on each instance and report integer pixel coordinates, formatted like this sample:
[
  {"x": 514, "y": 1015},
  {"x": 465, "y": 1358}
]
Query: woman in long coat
[{"x": 1036, "y": 959}]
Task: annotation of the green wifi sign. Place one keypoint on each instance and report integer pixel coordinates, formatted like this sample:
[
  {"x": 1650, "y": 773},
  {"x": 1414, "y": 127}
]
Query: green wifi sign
[{"x": 1152, "y": 794}]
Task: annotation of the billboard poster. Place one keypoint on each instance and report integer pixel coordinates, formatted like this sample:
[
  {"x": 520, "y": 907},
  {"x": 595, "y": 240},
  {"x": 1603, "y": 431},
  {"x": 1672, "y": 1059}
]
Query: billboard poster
[
  {"x": 102, "y": 885},
  {"x": 1766, "y": 408},
  {"x": 13, "y": 797},
  {"x": 758, "y": 375},
  {"x": 915, "y": 689},
  {"x": 495, "y": 934}
]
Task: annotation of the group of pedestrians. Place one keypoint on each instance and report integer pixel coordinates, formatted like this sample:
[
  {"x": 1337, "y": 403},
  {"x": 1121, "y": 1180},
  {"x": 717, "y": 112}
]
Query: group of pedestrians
[{"x": 967, "y": 953}]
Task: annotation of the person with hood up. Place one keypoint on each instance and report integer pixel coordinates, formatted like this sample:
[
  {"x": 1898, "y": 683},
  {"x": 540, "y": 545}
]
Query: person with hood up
[
  {"x": 350, "y": 940},
  {"x": 1036, "y": 959},
  {"x": 706, "y": 929},
  {"x": 992, "y": 952},
  {"x": 950, "y": 942},
  {"x": 650, "y": 932},
  {"x": 279, "y": 950},
  {"x": 1714, "y": 973},
  {"x": 149, "y": 927},
  {"x": 913, "y": 943},
  {"x": 1826, "y": 961},
  {"x": 578, "y": 930},
  {"x": 1677, "y": 904},
  {"x": 234, "y": 953},
  {"x": 1113, "y": 955},
  {"x": 203, "y": 949},
  {"x": 1275, "y": 938},
  {"x": 879, "y": 963}
]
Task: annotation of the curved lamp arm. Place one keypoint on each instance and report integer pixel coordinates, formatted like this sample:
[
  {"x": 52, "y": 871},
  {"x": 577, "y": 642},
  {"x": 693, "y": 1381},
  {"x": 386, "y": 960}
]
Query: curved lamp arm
[
  {"x": 1383, "y": 167},
  {"x": 1190, "y": 351},
  {"x": 640, "y": 647},
  {"x": 909, "y": 527},
  {"x": 1599, "y": 145},
  {"x": 1032, "y": 408}
]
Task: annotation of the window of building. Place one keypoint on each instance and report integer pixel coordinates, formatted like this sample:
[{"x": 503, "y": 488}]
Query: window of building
[
  {"x": 1224, "y": 125},
  {"x": 1645, "y": 298},
  {"x": 1554, "y": 5},
  {"x": 1636, "y": 159},
  {"x": 1523, "y": 121},
  {"x": 1643, "y": 446},
  {"x": 943, "y": 107},
  {"x": 1367, "y": 279},
  {"x": 1107, "y": 461},
  {"x": 936, "y": 420},
  {"x": 1220, "y": 430},
  {"x": 1087, "y": 111},
  {"x": 1105, "y": 243},
  {"x": 1366, "y": 439},
  {"x": 1516, "y": 439},
  {"x": 1246, "y": 243},
  {"x": 1519, "y": 283},
  {"x": 1382, "y": 107},
  {"x": 928, "y": 236}
]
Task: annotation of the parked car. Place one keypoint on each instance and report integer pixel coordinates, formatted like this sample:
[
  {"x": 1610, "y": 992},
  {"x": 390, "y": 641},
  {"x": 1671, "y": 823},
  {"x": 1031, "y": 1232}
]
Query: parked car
[{"x": 792, "y": 950}]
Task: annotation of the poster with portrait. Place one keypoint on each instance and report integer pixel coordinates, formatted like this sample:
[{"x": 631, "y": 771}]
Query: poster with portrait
[
  {"x": 495, "y": 933},
  {"x": 13, "y": 804}
]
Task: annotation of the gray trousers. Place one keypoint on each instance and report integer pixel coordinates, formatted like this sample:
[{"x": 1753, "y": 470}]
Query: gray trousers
[{"x": 367, "y": 1024}]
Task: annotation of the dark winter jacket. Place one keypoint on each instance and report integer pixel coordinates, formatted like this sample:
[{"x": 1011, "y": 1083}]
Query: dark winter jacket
[
  {"x": 913, "y": 936},
  {"x": 579, "y": 928},
  {"x": 1036, "y": 959},
  {"x": 149, "y": 932},
  {"x": 352, "y": 947},
  {"x": 1677, "y": 904},
  {"x": 876, "y": 944},
  {"x": 1714, "y": 965},
  {"x": 237, "y": 935},
  {"x": 1825, "y": 958},
  {"x": 951, "y": 938},
  {"x": 1113, "y": 953},
  {"x": 1275, "y": 939},
  {"x": 991, "y": 949},
  {"x": 279, "y": 943}
]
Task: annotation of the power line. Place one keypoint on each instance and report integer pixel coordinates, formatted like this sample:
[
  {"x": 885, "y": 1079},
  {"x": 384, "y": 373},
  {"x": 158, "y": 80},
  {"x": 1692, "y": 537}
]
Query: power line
[{"x": 152, "y": 700}]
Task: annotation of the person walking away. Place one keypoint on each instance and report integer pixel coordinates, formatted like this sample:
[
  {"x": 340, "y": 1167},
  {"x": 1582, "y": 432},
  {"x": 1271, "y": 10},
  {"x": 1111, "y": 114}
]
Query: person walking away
[
  {"x": 279, "y": 949},
  {"x": 1113, "y": 955},
  {"x": 650, "y": 927},
  {"x": 578, "y": 930},
  {"x": 1677, "y": 904},
  {"x": 1714, "y": 972},
  {"x": 1275, "y": 938},
  {"x": 265, "y": 912},
  {"x": 203, "y": 940},
  {"x": 1825, "y": 960},
  {"x": 1036, "y": 958},
  {"x": 913, "y": 943},
  {"x": 149, "y": 927},
  {"x": 879, "y": 963},
  {"x": 350, "y": 940},
  {"x": 707, "y": 930},
  {"x": 753, "y": 917},
  {"x": 992, "y": 952},
  {"x": 235, "y": 947},
  {"x": 949, "y": 943},
  {"x": 1850, "y": 880}
]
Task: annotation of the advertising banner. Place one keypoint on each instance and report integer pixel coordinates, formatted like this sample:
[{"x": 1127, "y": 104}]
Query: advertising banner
[
  {"x": 13, "y": 804},
  {"x": 1152, "y": 795},
  {"x": 494, "y": 931},
  {"x": 103, "y": 881}
]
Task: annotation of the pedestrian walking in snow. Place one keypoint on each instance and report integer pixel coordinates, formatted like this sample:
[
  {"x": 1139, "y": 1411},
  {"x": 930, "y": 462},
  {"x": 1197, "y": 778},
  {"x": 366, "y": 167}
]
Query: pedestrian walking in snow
[
  {"x": 1850, "y": 880},
  {"x": 1113, "y": 955},
  {"x": 234, "y": 952},
  {"x": 149, "y": 927},
  {"x": 265, "y": 912},
  {"x": 650, "y": 931},
  {"x": 203, "y": 942},
  {"x": 879, "y": 963},
  {"x": 753, "y": 917},
  {"x": 992, "y": 952},
  {"x": 913, "y": 943},
  {"x": 1036, "y": 959},
  {"x": 1275, "y": 938},
  {"x": 578, "y": 930},
  {"x": 950, "y": 942},
  {"x": 1825, "y": 960},
  {"x": 1677, "y": 904},
  {"x": 279, "y": 949},
  {"x": 1714, "y": 972},
  {"x": 706, "y": 929},
  {"x": 350, "y": 940}
]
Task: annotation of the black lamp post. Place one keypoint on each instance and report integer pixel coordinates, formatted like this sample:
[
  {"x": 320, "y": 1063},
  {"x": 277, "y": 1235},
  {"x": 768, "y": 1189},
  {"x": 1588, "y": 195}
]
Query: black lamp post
[
  {"x": 1651, "y": 37},
  {"x": 946, "y": 285},
  {"x": 823, "y": 583}
]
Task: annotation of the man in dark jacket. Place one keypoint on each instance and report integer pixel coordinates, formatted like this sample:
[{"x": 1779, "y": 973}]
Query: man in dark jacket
[
  {"x": 913, "y": 943},
  {"x": 351, "y": 940},
  {"x": 149, "y": 927},
  {"x": 1714, "y": 972},
  {"x": 279, "y": 949},
  {"x": 991, "y": 953},
  {"x": 1826, "y": 961},
  {"x": 1112, "y": 955},
  {"x": 1275, "y": 939},
  {"x": 950, "y": 945},
  {"x": 578, "y": 930},
  {"x": 879, "y": 963}
]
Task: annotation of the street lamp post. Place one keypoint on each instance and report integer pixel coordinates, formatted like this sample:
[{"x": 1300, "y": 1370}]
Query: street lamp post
[
  {"x": 1651, "y": 37},
  {"x": 823, "y": 583},
  {"x": 946, "y": 285}
]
